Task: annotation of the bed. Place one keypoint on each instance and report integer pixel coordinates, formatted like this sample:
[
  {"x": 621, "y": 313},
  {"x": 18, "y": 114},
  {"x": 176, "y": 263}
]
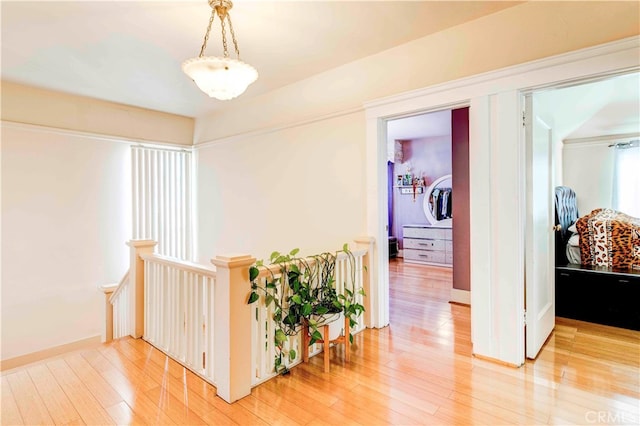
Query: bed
[{"x": 597, "y": 264}]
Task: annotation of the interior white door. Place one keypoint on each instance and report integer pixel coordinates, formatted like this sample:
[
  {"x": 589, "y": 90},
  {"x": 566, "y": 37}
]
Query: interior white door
[{"x": 539, "y": 270}]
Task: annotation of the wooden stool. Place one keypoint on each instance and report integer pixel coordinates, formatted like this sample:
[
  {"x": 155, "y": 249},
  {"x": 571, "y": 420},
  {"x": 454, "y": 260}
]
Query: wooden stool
[{"x": 326, "y": 342}]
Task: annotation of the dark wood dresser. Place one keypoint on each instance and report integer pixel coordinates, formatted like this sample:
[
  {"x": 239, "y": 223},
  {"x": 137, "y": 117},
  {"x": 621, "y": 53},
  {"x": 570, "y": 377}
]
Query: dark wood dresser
[{"x": 601, "y": 295}]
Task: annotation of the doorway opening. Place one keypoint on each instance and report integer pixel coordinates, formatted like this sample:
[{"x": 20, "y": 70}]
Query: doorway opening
[
  {"x": 427, "y": 185},
  {"x": 572, "y": 134}
]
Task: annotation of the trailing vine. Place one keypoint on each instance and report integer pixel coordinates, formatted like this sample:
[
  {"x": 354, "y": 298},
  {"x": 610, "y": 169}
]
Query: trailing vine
[{"x": 303, "y": 291}]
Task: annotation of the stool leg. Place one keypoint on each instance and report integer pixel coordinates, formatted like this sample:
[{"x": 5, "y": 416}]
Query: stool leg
[
  {"x": 347, "y": 343},
  {"x": 326, "y": 348}
]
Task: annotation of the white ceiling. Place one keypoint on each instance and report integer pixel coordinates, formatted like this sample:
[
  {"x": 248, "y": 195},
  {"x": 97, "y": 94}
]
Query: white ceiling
[
  {"x": 131, "y": 51},
  {"x": 602, "y": 108}
]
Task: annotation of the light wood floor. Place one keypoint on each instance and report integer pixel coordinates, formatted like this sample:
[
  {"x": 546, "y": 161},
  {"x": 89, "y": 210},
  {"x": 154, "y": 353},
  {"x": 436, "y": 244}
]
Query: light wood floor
[{"x": 417, "y": 371}]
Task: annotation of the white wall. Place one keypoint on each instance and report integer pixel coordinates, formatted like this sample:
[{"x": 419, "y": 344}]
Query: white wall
[
  {"x": 588, "y": 170},
  {"x": 297, "y": 187},
  {"x": 65, "y": 215}
]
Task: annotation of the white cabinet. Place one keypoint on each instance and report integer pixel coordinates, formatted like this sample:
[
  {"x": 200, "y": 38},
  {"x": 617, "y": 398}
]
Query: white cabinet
[{"x": 428, "y": 245}]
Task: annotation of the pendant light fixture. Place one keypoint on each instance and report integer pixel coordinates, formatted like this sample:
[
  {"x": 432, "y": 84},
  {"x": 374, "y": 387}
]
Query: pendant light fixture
[{"x": 220, "y": 77}]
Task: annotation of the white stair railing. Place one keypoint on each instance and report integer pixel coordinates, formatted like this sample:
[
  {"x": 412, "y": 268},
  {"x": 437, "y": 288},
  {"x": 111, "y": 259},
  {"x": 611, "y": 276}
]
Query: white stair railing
[
  {"x": 116, "y": 309},
  {"x": 179, "y": 311},
  {"x": 120, "y": 302},
  {"x": 199, "y": 315}
]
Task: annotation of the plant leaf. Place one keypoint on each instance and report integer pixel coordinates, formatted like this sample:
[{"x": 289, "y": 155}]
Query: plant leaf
[
  {"x": 253, "y": 273},
  {"x": 292, "y": 355},
  {"x": 321, "y": 310},
  {"x": 294, "y": 252},
  {"x": 253, "y": 297},
  {"x": 345, "y": 247},
  {"x": 306, "y": 309},
  {"x": 316, "y": 335},
  {"x": 280, "y": 337}
]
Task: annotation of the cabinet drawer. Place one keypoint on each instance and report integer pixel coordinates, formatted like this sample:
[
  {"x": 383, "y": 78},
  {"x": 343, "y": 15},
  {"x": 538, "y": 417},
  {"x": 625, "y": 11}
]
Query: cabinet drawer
[
  {"x": 426, "y": 232},
  {"x": 423, "y": 244},
  {"x": 431, "y": 233},
  {"x": 424, "y": 255}
]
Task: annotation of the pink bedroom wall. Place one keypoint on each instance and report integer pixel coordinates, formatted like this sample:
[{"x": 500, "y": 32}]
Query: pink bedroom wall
[
  {"x": 428, "y": 157},
  {"x": 461, "y": 222}
]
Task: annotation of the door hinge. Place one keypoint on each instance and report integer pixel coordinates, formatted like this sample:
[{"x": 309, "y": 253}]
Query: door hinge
[
  {"x": 524, "y": 119},
  {"x": 204, "y": 361},
  {"x": 524, "y": 317}
]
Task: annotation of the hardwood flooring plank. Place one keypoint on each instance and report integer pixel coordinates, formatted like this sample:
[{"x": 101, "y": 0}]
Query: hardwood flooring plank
[
  {"x": 175, "y": 409},
  {"x": 304, "y": 395},
  {"x": 32, "y": 409},
  {"x": 236, "y": 412},
  {"x": 9, "y": 414},
  {"x": 99, "y": 388},
  {"x": 58, "y": 404},
  {"x": 267, "y": 412},
  {"x": 90, "y": 410},
  {"x": 299, "y": 413},
  {"x": 124, "y": 415}
]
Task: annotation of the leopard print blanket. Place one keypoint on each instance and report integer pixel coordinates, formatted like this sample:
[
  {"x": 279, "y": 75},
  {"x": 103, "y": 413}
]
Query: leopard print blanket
[{"x": 609, "y": 238}]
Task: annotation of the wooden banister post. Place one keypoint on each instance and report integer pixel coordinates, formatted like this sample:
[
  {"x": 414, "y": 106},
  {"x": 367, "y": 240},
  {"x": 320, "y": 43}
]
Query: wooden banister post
[
  {"x": 232, "y": 334},
  {"x": 136, "y": 283},
  {"x": 108, "y": 290},
  {"x": 367, "y": 243}
]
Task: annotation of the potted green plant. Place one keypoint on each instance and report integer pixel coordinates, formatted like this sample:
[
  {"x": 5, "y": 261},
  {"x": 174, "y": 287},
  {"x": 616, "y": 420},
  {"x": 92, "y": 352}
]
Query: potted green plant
[{"x": 302, "y": 292}]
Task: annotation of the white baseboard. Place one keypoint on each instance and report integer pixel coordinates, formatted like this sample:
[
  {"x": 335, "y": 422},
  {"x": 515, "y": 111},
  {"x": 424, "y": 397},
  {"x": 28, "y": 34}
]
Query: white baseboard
[
  {"x": 8, "y": 364},
  {"x": 460, "y": 296}
]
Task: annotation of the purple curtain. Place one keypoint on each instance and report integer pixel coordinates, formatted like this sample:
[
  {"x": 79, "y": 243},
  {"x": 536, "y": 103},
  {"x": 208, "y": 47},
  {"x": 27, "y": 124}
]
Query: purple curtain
[{"x": 390, "y": 194}]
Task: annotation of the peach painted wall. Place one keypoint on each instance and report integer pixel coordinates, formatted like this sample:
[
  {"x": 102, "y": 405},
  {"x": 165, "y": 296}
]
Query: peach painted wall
[
  {"x": 66, "y": 210},
  {"x": 24, "y": 104},
  {"x": 65, "y": 219},
  {"x": 300, "y": 187}
]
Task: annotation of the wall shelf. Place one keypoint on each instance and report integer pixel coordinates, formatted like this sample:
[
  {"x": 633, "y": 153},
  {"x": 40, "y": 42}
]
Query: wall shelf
[{"x": 408, "y": 189}]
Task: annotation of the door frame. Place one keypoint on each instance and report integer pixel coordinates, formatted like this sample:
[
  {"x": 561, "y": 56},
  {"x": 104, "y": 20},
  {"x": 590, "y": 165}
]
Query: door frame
[{"x": 497, "y": 182}]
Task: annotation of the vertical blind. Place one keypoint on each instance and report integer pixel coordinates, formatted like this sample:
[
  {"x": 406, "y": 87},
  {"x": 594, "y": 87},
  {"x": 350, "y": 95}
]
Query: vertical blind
[{"x": 162, "y": 199}]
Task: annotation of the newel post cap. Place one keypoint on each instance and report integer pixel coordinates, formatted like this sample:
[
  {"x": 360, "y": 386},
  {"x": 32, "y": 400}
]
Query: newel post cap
[
  {"x": 365, "y": 240},
  {"x": 142, "y": 243},
  {"x": 233, "y": 261}
]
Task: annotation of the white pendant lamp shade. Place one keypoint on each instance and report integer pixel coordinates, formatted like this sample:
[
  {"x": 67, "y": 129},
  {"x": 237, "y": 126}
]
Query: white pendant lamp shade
[{"x": 220, "y": 78}]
